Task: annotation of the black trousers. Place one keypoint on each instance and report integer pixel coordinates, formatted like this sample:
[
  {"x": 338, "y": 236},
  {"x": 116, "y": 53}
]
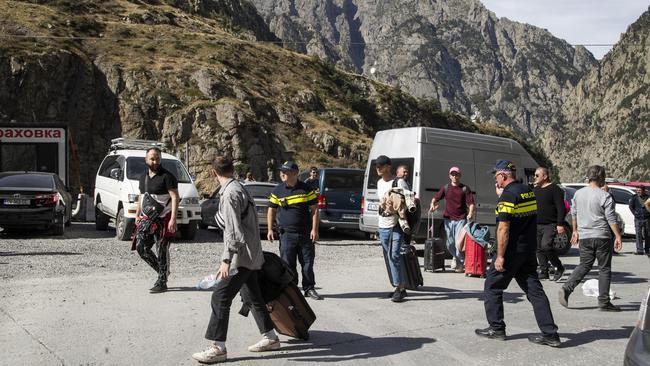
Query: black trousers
[
  {"x": 245, "y": 281},
  {"x": 642, "y": 228},
  {"x": 545, "y": 253},
  {"x": 523, "y": 268},
  {"x": 298, "y": 246},
  {"x": 160, "y": 261},
  {"x": 591, "y": 250}
]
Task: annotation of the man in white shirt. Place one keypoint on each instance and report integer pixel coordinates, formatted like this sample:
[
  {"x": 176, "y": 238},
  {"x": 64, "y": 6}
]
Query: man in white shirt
[{"x": 390, "y": 232}]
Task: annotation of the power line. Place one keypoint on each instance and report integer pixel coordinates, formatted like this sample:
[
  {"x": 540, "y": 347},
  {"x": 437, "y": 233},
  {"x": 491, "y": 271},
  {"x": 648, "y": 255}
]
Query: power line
[{"x": 88, "y": 38}]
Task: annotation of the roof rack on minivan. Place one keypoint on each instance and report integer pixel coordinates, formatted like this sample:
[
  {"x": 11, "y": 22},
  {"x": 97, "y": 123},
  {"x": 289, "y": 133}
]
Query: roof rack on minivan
[{"x": 122, "y": 143}]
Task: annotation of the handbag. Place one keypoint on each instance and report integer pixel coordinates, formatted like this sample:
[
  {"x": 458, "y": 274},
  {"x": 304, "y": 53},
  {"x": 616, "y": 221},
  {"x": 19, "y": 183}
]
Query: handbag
[{"x": 150, "y": 206}]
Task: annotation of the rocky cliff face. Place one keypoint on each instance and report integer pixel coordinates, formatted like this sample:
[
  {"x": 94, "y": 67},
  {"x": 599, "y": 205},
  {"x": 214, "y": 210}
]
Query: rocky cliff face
[
  {"x": 606, "y": 118},
  {"x": 171, "y": 71},
  {"x": 453, "y": 51}
]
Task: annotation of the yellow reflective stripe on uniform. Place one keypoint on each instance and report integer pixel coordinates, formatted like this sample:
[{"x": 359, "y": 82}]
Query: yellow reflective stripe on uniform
[
  {"x": 525, "y": 209},
  {"x": 274, "y": 199},
  {"x": 507, "y": 207},
  {"x": 300, "y": 198},
  {"x": 525, "y": 204}
]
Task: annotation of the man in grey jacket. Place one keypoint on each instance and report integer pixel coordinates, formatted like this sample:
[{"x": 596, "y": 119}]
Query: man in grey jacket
[
  {"x": 593, "y": 216},
  {"x": 242, "y": 251}
]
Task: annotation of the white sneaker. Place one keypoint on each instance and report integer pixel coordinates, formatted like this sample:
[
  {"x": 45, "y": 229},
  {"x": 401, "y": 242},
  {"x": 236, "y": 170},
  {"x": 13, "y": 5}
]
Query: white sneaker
[
  {"x": 213, "y": 354},
  {"x": 265, "y": 345}
]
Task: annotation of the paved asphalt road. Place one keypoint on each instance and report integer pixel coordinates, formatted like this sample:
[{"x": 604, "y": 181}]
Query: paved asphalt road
[{"x": 82, "y": 299}]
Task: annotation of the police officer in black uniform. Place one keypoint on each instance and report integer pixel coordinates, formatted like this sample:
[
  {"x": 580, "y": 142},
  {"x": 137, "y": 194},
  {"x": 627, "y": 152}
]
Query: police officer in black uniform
[
  {"x": 296, "y": 206},
  {"x": 515, "y": 258}
]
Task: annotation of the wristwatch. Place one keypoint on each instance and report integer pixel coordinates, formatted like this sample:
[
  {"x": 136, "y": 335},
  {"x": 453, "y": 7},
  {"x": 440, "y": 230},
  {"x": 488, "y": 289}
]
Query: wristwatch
[{"x": 226, "y": 261}]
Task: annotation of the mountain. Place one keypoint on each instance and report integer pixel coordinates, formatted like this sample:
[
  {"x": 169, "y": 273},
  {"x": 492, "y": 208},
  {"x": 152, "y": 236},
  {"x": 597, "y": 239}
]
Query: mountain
[
  {"x": 606, "y": 117},
  {"x": 455, "y": 52},
  {"x": 204, "y": 76}
]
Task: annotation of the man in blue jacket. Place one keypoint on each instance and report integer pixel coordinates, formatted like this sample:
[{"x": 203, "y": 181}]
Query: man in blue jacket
[{"x": 641, "y": 221}]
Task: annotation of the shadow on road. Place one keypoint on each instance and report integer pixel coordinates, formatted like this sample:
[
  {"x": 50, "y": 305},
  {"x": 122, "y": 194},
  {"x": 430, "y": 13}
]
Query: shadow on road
[
  {"x": 17, "y": 254},
  {"x": 185, "y": 289},
  {"x": 429, "y": 293},
  {"x": 617, "y": 276},
  {"x": 588, "y": 336},
  {"x": 327, "y": 346}
]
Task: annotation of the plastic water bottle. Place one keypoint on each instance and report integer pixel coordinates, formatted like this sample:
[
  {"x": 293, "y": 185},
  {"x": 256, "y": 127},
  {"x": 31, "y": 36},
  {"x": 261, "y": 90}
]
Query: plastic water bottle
[{"x": 211, "y": 281}]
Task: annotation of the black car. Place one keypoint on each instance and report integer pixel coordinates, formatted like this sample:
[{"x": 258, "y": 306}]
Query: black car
[
  {"x": 34, "y": 200},
  {"x": 259, "y": 191},
  {"x": 339, "y": 199}
]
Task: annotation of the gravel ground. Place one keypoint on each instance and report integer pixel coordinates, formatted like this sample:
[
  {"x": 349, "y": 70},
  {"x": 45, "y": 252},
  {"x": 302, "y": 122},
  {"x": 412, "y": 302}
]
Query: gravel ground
[{"x": 84, "y": 250}]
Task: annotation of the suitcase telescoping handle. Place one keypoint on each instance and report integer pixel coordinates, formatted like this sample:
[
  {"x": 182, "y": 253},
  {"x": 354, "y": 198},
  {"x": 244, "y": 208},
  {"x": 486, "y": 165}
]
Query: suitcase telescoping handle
[{"x": 429, "y": 224}]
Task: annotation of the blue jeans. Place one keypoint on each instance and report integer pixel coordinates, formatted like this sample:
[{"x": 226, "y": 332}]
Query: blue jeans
[
  {"x": 385, "y": 235},
  {"x": 452, "y": 228}
]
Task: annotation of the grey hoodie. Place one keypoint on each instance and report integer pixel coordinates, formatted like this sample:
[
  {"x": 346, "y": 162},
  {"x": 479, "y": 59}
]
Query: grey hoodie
[{"x": 241, "y": 236}]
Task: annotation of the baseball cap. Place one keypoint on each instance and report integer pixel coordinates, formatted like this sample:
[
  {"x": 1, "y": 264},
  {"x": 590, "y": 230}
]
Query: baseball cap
[
  {"x": 503, "y": 165},
  {"x": 289, "y": 165},
  {"x": 454, "y": 169},
  {"x": 383, "y": 160}
]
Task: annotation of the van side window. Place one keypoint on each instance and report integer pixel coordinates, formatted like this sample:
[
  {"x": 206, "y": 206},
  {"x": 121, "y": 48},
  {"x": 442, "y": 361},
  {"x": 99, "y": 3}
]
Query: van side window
[
  {"x": 530, "y": 175},
  {"x": 109, "y": 163},
  {"x": 373, "y": 177}
]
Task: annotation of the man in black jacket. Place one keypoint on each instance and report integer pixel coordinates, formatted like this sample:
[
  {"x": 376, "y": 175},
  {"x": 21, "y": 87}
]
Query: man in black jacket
[
  {"x": 550, "y": 222},
  {"x": 641, "y": 220}
]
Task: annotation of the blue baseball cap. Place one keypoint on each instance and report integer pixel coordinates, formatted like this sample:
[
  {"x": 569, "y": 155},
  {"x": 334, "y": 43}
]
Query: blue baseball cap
[
  {"x": 289, "y": 166},
  {"x": 503, "y": 166}
]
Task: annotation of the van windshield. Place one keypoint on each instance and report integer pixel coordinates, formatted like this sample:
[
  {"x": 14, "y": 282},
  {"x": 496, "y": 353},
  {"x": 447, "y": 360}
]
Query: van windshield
[
  {"x": 396, "y": 162},
  {"x": 135, "y": 168}
]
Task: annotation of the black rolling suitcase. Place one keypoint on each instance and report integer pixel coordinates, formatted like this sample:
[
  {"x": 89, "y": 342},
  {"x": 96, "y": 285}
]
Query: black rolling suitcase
[
  {"x": 434, "y": 249},
  {"x": 409, "y": 265}
]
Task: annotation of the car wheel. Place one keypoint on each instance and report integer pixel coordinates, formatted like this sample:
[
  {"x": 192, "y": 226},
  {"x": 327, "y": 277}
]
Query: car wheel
[
  {"x": 188, "y": 231},
  {"x": 101, "y": 220},
  {"x": 123, "y": 228},
  {"x": 59, "y": 225}
]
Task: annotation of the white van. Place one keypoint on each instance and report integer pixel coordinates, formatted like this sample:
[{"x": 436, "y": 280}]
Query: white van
[
  {"x": 429, "y": 153},
  {"x": 117, "y": 188}
]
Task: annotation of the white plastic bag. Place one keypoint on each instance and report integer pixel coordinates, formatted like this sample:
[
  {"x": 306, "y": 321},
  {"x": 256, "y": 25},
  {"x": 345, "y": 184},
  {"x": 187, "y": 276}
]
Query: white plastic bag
[
  {"x": 211, "y": 281},
  {"x": 590, "y": 288}
]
